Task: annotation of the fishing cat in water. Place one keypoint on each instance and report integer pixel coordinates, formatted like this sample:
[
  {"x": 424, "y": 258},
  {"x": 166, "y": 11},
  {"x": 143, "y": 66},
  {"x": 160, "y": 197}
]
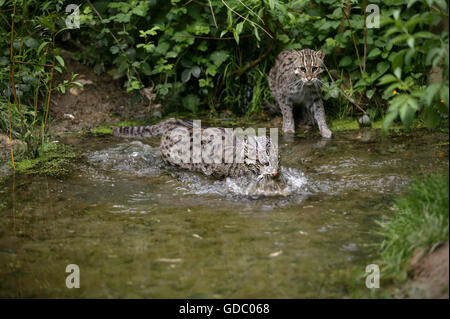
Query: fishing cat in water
[
  {"x": 294, "y": 80},
  {"x": 176, "y": 132}
]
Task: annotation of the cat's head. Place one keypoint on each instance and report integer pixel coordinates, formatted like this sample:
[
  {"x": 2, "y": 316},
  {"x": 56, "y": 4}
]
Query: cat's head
[
  {"x": 309, "y": 65},
  {"x": 266, "y": 153}
]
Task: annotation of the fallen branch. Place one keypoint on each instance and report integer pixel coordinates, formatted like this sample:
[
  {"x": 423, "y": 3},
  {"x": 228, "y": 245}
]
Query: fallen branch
[
  {"x": 345, "y": 94},
  {"x": 33, "y": 63},
  {"x": 255, "y": 62}
]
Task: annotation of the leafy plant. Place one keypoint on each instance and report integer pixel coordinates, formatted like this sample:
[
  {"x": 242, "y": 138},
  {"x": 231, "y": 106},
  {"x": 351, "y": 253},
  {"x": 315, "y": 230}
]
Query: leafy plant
[
  {"x": 217, "y": 54},
  {"x": 27, "y": 67},
  {"x": 417, "y": 52}
]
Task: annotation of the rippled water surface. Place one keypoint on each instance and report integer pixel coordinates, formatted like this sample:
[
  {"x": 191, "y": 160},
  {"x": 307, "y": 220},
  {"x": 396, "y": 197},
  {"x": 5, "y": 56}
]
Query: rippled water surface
[{"x": 137, "y": 228}]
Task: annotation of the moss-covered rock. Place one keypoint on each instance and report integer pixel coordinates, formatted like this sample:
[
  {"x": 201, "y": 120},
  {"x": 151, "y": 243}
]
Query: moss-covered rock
[
  {"x": 344, "y": 125},
  {"x": 54, "y": 159}
]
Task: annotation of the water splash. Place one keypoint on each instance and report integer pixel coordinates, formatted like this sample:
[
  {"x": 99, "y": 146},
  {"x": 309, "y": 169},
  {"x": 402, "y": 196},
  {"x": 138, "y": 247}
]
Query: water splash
[
  {"x": 139, "y": 159},
  {"x": 133, "y": 158},
  {"x": 290, "y": 182}
]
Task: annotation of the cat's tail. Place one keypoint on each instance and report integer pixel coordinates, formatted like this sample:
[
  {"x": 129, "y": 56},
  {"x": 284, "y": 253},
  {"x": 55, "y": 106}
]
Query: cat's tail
[
  {"x": 147, "y": 131},
  {"x": 270, "y": 109}
]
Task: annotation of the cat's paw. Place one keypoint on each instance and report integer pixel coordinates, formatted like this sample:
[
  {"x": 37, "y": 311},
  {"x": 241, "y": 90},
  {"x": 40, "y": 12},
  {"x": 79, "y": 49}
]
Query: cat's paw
[
  {"x": 288, "y": 130},
  {"x": 326, "y": 133}
]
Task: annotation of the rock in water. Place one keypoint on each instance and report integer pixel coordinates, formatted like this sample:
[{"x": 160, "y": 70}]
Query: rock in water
[{"x": 364, "y": 121}]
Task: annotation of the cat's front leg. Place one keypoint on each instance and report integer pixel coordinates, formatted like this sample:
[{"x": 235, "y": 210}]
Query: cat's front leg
[
  {"x": 319, "y": 115},
  {"x": 288, "y": 116}
]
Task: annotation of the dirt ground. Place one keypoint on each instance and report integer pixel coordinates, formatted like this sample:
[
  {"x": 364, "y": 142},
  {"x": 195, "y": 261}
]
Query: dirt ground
[
  {"x": 90, "y": 106},
  {"x": 430, "y": 274}
]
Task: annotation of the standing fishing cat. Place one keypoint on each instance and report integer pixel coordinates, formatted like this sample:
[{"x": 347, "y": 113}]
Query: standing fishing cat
[{"x": 294, "y": 80}]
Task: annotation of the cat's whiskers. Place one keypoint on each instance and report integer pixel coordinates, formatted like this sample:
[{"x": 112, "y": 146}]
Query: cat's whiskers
[{"x": 295, "y": 84}]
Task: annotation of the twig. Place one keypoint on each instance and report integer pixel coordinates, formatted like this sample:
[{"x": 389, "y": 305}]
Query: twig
[
  {"x": 38, "y": 64},
  {"x": 246, "y": 19},
  {"x": 9, "y": 87},
  {"x": 251, "y": 11},
  {"x": 365, "y": 36},
  {"x": 49, "y": 94},
  {"x": 352, "y": 100},
  {"x": 212, "y": 38},
  {"x": 255, "y": 62},
  {"x": 212, "y": 12},
  {"x": 17, "y": 102},
  {"x": 345, "y": 94},
  {"x": 354, "y": 40},
  {"x": 38, "y": 85}
]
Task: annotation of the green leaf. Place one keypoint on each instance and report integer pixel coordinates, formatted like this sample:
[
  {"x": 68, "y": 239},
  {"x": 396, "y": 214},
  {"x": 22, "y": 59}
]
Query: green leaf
[
  {"x": 218, "y": 57},
  {"x": 397, "y": 61},
  {"x": 145, "y": 67},
  {"x": 431, "y": 92},
  {"x": 370, "y": 93},
  {"x": 43, "y": 44},
  {"x": 195, "y": 71},
  {"x": 410, "y": 42},
  {"x": 382, "y": 67},
  {"x": 239, "y": 27},
  {"x": 442, "y": 4},
  {"x": 409, "y": 55},
  {"x": 431, "y": 117},
  {"x": 345, "y": 61},
  {"x": 211, "y": 70},
  {"x": 407, "y": 115},
  {"x": 398, "y": 73},
  {"x": 186, "y": 75},
  {"x": 388, "y": 78},
  {"x": 60, "y": 60},
  {"x": 425, "y": 35},
  {"x": 236, "y": 36},
  {"x": 374, "y": 53},
  {"x": 114, "y": 49},
  {"x": 31, "y": 42},
  {"x": 444, "y": 97},
  {"x": 389, "y": 118}
]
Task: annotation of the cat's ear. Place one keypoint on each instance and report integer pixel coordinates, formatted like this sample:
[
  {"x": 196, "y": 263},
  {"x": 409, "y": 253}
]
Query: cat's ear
[{"x": 320, "y": 54}]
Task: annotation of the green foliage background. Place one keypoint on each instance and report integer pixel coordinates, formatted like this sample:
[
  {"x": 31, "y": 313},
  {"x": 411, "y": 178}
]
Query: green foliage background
[{"x": 215, "y": 55}]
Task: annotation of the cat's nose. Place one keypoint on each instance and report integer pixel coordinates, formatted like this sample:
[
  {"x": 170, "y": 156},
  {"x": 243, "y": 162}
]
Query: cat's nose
[
  {"x": 274, "y": 174},
  {"x": 309, "y": 78}
]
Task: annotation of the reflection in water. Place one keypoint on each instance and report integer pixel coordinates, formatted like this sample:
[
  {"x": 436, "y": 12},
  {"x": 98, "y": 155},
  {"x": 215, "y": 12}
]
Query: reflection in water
[{"x": 138, "y": 228}]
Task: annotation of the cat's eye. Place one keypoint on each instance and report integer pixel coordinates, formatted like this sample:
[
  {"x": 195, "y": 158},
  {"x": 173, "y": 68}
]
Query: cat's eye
[
  {"x": 314, "y": 69},
  {"x": 303, "y": 69}
]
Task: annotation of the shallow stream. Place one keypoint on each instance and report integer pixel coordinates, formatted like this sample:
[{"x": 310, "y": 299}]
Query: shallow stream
[{"x": 139, "y": 229}]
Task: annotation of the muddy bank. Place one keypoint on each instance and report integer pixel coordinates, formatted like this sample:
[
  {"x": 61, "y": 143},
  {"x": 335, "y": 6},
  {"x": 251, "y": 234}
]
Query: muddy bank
[{"x": 83, "y": 108}]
